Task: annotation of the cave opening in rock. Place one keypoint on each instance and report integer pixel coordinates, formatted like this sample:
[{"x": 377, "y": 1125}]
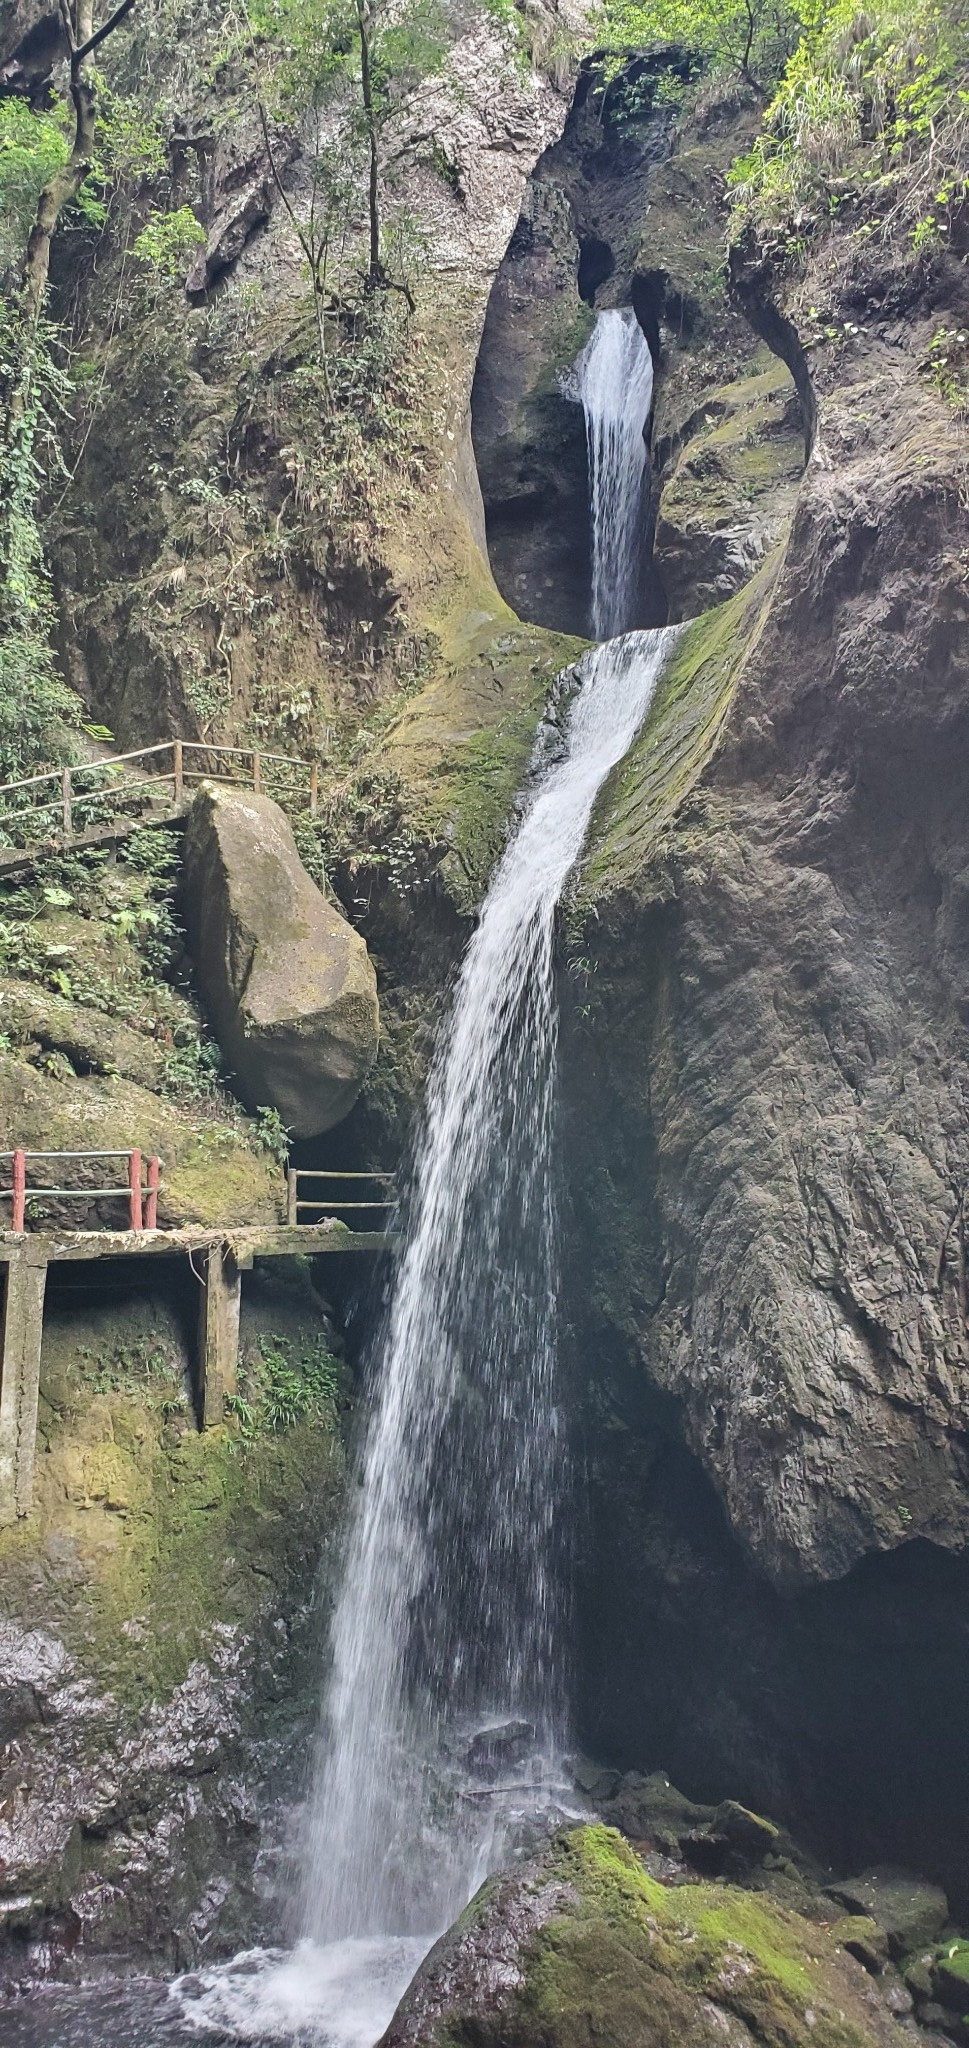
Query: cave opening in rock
[
  {"x": 596, "y": 265},
  {"x": 574, "y": 253}
]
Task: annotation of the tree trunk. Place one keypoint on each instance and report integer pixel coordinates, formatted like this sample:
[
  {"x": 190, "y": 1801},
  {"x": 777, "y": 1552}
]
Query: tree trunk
[
  {"x": 17, "y": 398},
  {"x": 375, "y": 267}
]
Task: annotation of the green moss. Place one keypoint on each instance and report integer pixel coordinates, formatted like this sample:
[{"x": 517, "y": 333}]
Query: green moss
[
  {"x": 462, "y": 746},
  {"x": 678, "y": 739},
  {"x": 642, "y": 1964},
  {"x": 147, "y": 1535}
]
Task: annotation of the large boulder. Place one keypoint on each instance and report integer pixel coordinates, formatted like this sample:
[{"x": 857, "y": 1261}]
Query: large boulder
[
  {"x": 288, "y": 984},
  {"x": 581, "y": 1945}
]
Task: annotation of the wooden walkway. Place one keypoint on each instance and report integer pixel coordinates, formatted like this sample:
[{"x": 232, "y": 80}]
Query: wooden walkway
[
  {"x": 218, "y": 1259},
  {"x": 104, "y": 800}
]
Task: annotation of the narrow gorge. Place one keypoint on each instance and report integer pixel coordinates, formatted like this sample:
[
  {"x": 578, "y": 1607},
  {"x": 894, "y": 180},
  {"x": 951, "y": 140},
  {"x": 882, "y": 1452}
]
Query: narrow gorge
[{"x": 483, "y": 664}]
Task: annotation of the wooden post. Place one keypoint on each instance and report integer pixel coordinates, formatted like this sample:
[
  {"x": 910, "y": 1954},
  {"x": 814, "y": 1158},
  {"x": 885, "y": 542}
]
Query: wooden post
[
  {"x": 314, "y": 789},
  {"x": 292, "y": 1217},
  {"x": 19, "y": 1190},
  {"x": 67, "y": 818},
  {"x": 134, "y": 1190},
  {"x": 22, "y": 1330},
  {"x": 151, "y": 1205},
  {"x": 257, "y": 774},
  {"x": 218, "y": 1334},
  {"x": 178, "y": 771}
]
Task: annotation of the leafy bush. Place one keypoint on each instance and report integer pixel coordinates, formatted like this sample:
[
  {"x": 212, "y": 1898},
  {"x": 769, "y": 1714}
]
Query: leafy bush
[
  {"x": 168, "y": 241},
  {"x": 873, "y": 108},
  {"x": 281, "y": 1384},
  {"x": 37, "y": 709},
  {"x": 752, "y": 37}
]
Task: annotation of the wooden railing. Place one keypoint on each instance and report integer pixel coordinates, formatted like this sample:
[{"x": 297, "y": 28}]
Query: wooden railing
[
  {"x": 61, "y": 803},
  {"x": 330, "y": 1202},
  {"x": 141, "y": 1194}
]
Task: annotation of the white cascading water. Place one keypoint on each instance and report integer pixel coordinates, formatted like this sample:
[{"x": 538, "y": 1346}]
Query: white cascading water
[
  {"x": 613, "y": 381},
  {"x": 447, "y": 1622},
  {"x": 447, "y": 1613}
]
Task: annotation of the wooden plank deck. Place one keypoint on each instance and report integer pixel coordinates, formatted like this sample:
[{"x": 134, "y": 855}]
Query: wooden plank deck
[
  {"x": 219, "y": 1259},
  {"x": 259, "y": 1241}
]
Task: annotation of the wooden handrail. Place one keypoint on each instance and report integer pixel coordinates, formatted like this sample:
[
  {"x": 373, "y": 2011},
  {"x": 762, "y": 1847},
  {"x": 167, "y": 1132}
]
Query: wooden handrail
[
  {"x": 146, "y": 753},
  {"x": 329, "y": 1202},
  {"x": 187, "y": 762}
]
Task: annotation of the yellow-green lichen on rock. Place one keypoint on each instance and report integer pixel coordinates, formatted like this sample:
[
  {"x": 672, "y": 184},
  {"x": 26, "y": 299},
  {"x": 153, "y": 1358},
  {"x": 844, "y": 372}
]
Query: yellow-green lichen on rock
[
  {"x": 730, "y": 493},
  {"x": 638, "y": 806},
  {"x": 461, "y": 747},
  {"x": 146, "y": 1533},
  {"x": 584, "y": 1944}
]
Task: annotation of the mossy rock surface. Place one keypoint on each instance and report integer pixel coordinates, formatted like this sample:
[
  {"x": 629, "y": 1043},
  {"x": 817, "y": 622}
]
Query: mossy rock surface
[
  {"x": 732, "y": 489},
  {"x": 461, "y": 747},
  {"x": 210, "y": 1175},
  {"x": 642, "y": 796},
  {"x": 582, "y": 1944}
]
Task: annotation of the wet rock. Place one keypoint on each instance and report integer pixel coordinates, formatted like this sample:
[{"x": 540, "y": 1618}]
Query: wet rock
[
  {"x": 652, "y": 1809},
  {"x": 288, "y": 984},
  {"x": 950, "y": 1976},
  {"x": 910, "y": 1911},
  {"x": 494, "y": 1750},
  {"x": 748, "y": 1835},
  {"x": 730, "y": 492},
  {"x": 581, "y": 1943},
  {"x": 595, "y": 1779},
  {"x": 864, "y": 1939}
]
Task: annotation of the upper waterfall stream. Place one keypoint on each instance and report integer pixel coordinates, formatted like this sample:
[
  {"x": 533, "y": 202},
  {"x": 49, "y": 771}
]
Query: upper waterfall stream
[{"x": 613, "y": 382}]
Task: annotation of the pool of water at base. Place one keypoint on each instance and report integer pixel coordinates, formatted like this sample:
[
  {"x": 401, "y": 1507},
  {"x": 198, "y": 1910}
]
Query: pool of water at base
[{"x": 338, "y": 1996}]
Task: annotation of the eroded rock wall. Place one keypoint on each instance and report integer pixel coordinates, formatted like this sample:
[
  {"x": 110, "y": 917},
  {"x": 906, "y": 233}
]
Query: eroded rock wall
[{"x": 768, "y": 1144}]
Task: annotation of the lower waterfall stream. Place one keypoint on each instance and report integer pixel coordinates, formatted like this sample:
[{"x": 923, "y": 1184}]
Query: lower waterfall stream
[{"x": 445, "y": 1630}]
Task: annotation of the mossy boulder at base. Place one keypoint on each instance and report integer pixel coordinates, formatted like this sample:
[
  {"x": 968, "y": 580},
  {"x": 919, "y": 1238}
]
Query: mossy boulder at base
[
  {"x": 582, "y": 1944},
  {"x": 288, "y": 984}
]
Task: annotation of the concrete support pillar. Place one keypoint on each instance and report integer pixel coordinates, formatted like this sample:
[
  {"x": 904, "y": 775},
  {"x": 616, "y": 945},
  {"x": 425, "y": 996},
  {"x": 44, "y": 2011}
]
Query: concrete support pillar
[
  {"x": 218, "y": 1334},
  {"x": 24, "y": 1282}
]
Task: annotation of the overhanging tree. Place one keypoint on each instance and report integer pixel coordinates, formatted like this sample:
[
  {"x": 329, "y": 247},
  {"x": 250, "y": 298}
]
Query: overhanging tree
[
  {"x": 35, "y": 704},
  {"x": 751, "y": 37},
  {"x": 361, "y": 63}
]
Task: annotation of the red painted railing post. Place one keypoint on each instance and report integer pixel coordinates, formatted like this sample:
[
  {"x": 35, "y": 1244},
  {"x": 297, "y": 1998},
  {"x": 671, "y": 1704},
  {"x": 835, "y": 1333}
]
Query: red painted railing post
[
  {"x": 19, "y": 1189},
  {"x": 151, "y": 1205},
  {"x": 134, "y": 1190}
]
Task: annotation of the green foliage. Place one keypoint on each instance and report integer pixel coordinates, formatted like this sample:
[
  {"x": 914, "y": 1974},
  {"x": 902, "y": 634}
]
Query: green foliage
[
  {"x": 368, "y": 61},
  {"x": 37, "y": 710},
  {"x": 271, "y": 1133},
  {"x": 36, "y": 143},
  {"x": 752, "y": 37},
  {"x": 946, "y": 363},
  {"x": 193, "y": 1065},
  {"x": 871, "y": 109},
  {"x": 321, "y": 45},
  {"x": 32, "y": 147},
  {"x": 280, "y": 1384},
  {"x": 167, "y": 242}
]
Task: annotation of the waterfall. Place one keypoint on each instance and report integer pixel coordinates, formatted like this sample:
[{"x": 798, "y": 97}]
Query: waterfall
[
  {"x": 448, "y": 1606},
  {"x": 445, "y": 1716},
  {"x": 613, "y": 380}
]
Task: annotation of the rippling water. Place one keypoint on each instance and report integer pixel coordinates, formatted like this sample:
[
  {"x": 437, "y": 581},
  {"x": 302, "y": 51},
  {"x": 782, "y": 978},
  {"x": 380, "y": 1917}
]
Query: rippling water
[{"x": 338, "y": 1996}]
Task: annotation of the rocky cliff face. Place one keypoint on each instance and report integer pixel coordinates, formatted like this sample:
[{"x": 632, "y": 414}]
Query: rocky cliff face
[
  {"x": 764, "y": 1072},
  {"x": 770, "y": 1085}
]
